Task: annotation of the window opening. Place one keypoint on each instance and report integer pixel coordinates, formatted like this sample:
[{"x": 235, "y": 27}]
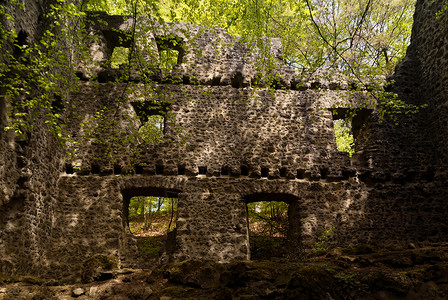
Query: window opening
[
  {"x": 264, "y": 172},
  {"x": 153, "y": 130},
  {"x": 159, "y": 170},
  {"x": 202, "y": 170},
  {"x": 225, "y": 170},
  {"x": 152, "y": 116},
  {"x": 344, "y": 136},
  {"x": 347, "y": 124},
  {"x": 119, "y": 57},
  {"x": 268, "y": 228},
  {"x": 151, "y": 219},
  {"x": 170, "y": 50}
]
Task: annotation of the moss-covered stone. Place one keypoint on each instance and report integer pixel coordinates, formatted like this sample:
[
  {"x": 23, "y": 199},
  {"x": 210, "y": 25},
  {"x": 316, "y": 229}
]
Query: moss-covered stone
[
  {"x": 31, "y": 280},
  {"x": 94, "y": 267}
]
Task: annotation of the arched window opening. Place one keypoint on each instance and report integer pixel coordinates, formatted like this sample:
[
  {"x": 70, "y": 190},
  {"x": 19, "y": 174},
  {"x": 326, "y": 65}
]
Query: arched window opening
[
  {"x": 150, "y": 215},
  {"x": 269, "y": 226}
]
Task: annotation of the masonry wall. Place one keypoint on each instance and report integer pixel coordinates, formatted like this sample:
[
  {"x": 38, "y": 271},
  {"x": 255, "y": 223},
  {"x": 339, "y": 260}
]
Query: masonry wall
[
  {"x": 430, "y": 53},
  {"x": 29, "y": 171},
  {"x": 237, "y": 144}
]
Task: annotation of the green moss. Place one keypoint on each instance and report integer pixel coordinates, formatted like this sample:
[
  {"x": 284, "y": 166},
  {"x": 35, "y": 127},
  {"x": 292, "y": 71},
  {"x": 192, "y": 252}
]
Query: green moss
[
  {"x": 96, "y": 262},
  {"x": 249, "y": 297},
  {"x": 415, "y": 273},
  {"x": 150, "y": 247},
  {"x": 8, "y": 279},
  {"x": 186, "y": 293},
  {"x": 31, "y": 280}
]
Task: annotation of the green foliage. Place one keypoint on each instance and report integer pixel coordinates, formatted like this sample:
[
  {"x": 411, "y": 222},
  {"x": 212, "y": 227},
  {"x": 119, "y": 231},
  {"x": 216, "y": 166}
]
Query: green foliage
[
  {"x": 168, "y": 58},
  {"x": 344, "y": 136},
  {"x": 119, "y": 57},
  {"x": 268, "y": 227},
  {"x": 271, "y": 217},
  {"x": 150, "y": 246},
  {"x": 363, "y": 39},
  {"x": 139, "y": 205},
  {"x": 321, "y": 243},
  {"x": 34, "y": 75},
  {"x": 152, "y": 132}
]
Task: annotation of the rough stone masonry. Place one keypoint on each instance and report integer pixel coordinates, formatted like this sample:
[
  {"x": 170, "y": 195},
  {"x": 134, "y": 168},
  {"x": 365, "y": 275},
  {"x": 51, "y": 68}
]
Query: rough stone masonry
[{"x": 230, "y": 140}]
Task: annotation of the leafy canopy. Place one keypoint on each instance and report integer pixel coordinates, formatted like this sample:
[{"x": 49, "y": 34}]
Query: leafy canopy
[{"x": 352, "y": 35}]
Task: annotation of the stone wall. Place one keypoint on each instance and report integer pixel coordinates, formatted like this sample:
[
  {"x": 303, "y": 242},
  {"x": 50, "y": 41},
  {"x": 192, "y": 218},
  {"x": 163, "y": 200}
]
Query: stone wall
[
  {"x": 230, "y": 140},
  {"x": 429, "y": 51},
  {"x": 29, "y": 171}
]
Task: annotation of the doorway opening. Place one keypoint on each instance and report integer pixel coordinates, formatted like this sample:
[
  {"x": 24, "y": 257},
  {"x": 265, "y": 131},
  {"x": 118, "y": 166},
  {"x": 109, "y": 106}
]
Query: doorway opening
[
  {"x": 150, "y": 216},
  {"x": 270, "y": 231}
]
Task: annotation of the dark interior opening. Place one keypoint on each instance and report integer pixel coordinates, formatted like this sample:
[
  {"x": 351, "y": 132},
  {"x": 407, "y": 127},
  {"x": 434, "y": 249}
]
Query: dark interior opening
[
  {"x": 181, "y": 170},
  {"x": 264, "y": 172},
  {"x": 159, "y": 169},
  {"x": 95, "y": 169},
  {"x": 282, "y": 172},
  {"x": 69, "y": 168},
  {"x": 138, "y": 169},
  {"x": 117, "y": 169},
  {"x": 202, "y": 170},
  {"x": 225, "y": 170},
  {"x": 57, "y": 105},
  {"x": 19, "y": 43}
]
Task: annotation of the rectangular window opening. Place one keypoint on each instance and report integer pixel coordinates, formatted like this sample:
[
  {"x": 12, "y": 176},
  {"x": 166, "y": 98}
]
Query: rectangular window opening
[
  {"x": 348, "y": 123},
  {"x": 153, "y": 118},
  {"x": 170, "y": 50}
]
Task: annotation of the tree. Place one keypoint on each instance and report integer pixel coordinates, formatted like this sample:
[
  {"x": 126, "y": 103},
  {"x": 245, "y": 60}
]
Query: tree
[{"x": 362, "y": 38}]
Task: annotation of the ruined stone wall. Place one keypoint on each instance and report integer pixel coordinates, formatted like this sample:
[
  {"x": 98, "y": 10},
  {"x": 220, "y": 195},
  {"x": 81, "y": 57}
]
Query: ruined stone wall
[
  {"x": 236, "y": 144},
  {"x": 430, "y": 53},
  {"x": 29, "y": 170}
]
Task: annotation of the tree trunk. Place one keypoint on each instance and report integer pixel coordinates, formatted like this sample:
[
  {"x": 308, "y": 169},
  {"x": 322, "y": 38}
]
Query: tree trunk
[{"x": 148, "y": 214}]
